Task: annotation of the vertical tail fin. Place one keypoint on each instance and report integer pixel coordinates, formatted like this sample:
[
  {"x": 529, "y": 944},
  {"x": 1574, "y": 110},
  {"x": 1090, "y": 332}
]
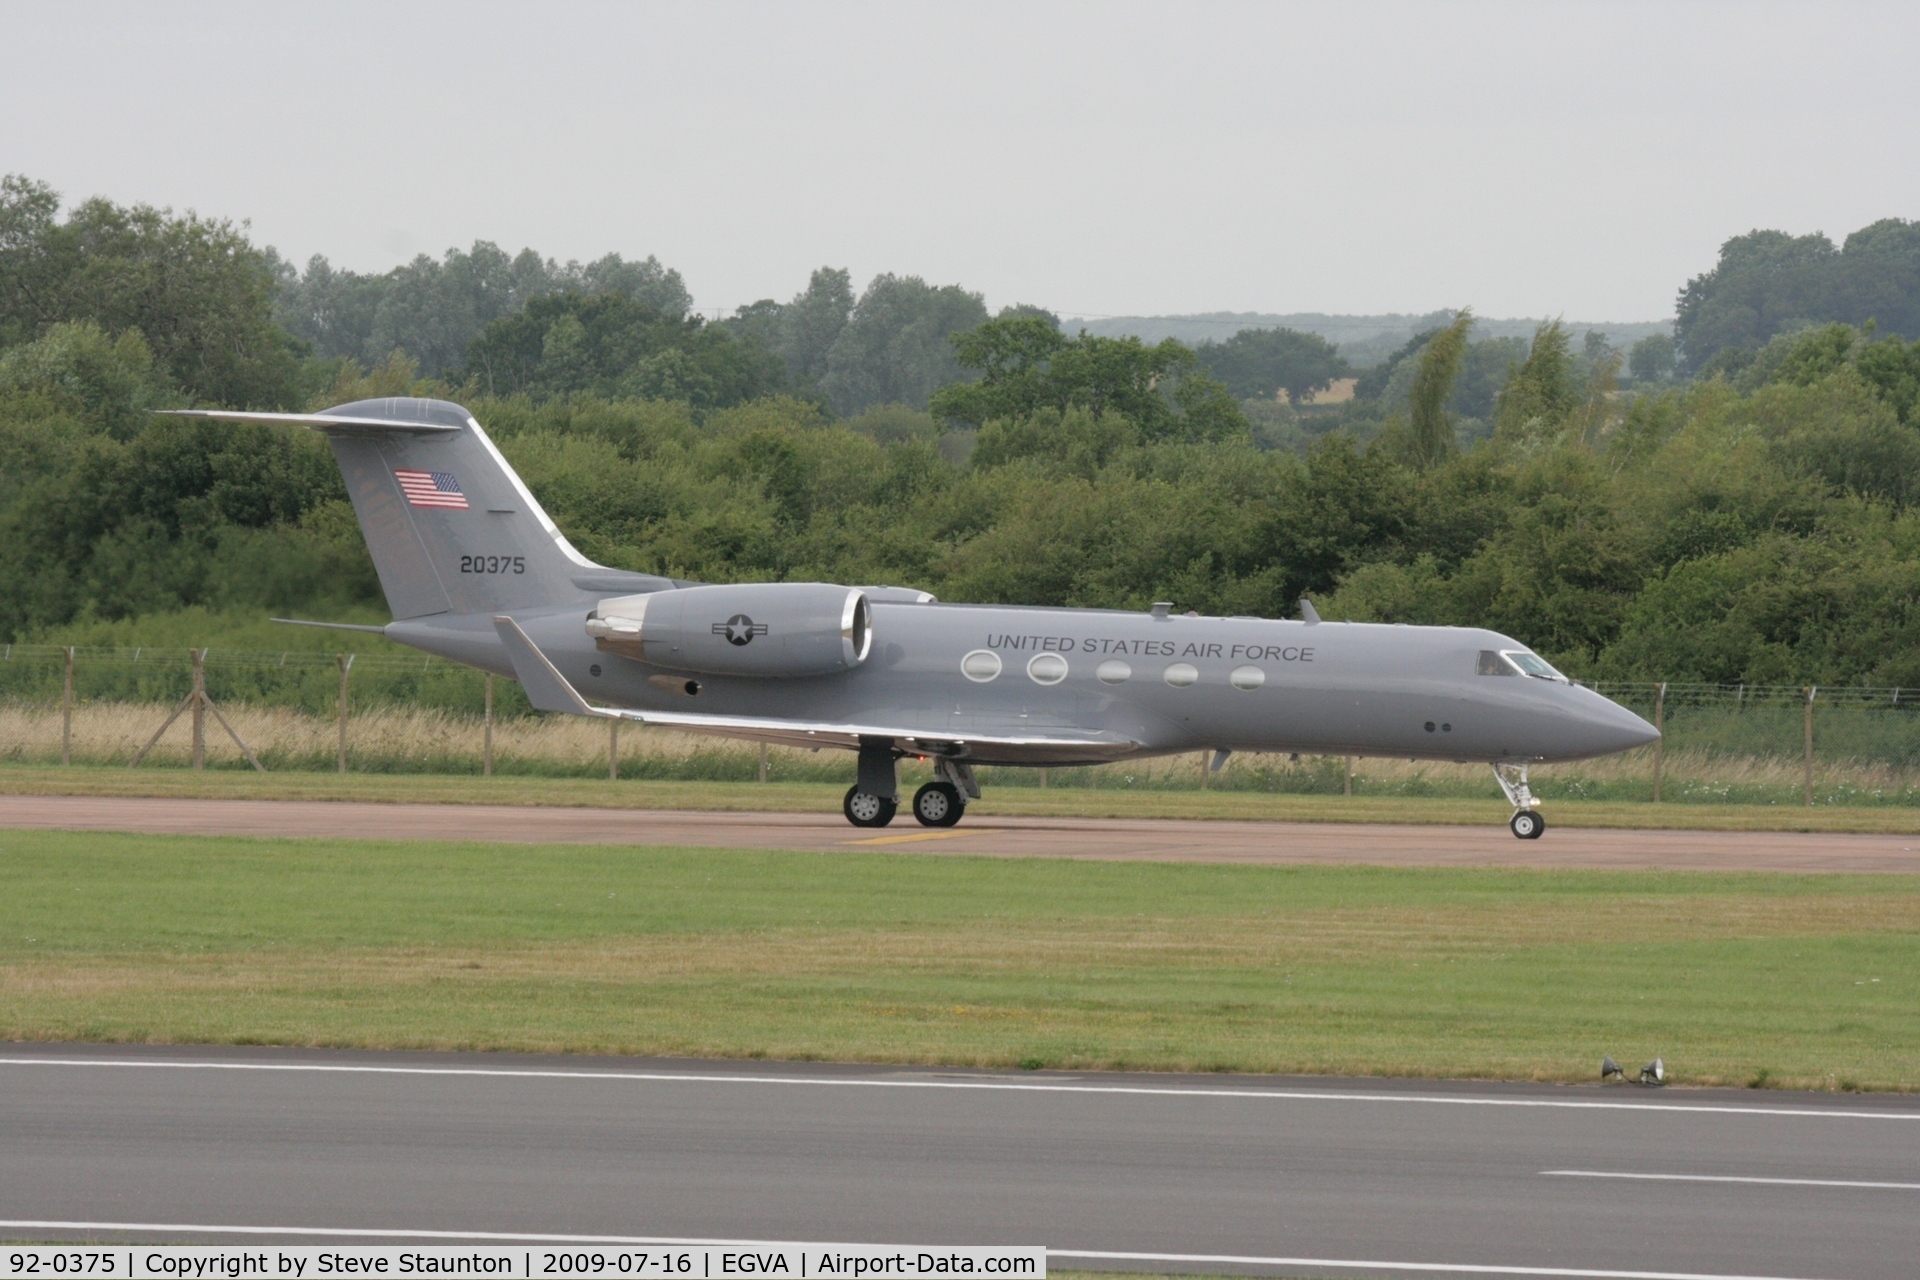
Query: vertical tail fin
[{"x": 451, "y": 527}]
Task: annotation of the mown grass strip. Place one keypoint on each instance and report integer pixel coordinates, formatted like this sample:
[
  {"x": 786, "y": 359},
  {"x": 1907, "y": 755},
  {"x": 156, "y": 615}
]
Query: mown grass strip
[
  {"x": 1769, "y": 979},
  {"x": 1006, "y": 801}
]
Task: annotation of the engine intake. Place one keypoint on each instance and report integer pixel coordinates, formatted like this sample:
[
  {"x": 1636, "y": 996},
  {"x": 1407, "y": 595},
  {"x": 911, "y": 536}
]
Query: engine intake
[{"x": 752, "y": 629}]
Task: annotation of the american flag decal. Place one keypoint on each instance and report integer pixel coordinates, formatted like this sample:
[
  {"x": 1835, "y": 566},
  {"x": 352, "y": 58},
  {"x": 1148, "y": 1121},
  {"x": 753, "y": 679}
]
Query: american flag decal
[{"x": 431, "y": 489}]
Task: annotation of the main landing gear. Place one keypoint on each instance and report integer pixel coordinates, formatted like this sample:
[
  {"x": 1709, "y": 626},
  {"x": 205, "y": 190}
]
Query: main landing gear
[
  {"x": 938, "y": 804},
  {"x": 865, "y": 809},
  {"x": 875, "y": 798},
  {"x": 1525, "y": 823}
]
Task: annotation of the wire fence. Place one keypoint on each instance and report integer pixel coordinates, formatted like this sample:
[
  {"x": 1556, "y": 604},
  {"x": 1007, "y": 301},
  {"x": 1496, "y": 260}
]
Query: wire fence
[{"x": 391, "y": 712}]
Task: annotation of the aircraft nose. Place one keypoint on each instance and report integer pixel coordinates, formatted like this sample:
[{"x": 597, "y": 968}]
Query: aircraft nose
[{"x": 1623, "y": 730}]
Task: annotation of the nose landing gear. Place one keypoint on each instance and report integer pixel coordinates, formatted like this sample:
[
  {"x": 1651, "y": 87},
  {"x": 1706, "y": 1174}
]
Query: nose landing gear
[{"x": 1525, "y": 823}]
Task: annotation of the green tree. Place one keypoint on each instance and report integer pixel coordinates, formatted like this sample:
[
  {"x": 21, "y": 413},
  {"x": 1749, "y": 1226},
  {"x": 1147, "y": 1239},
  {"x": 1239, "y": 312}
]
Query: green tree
[
  {"x": 895, "y": 348},
  {"x": 108, "y": 382},
  {"x": 810, "y": 324},
  {"x": 198, "y": 292},
  {"x": 1026, "y": 366},
  {"x": 1543, "y": 391},
  {"x": 1373, "y": 382},
  {"x": 568, "y": 344},
  {"x": 1768, "y": 282},
  {"x": 433, "y": 309},
  {"x": 1652, "y": 359},
  {"x": 1261, "y": 363},
  {"x": 1430, "y": 426}
]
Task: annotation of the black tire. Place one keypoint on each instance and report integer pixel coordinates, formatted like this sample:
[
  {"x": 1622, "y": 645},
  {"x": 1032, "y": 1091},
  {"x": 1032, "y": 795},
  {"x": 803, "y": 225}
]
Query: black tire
[
  {"x": 938, "y": 804},
  {"x": 870, "y": 810},
  {"x": 1527, "y": 824}
]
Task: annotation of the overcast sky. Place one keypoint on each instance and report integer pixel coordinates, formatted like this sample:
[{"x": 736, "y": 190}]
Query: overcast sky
[{"x": 1532, "y": 159}]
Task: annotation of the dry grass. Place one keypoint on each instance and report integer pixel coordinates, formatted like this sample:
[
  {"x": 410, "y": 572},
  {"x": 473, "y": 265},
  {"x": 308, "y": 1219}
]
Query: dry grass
[
  {"x": 423, "y": 738},
  {"x": 426, "y": 740}
]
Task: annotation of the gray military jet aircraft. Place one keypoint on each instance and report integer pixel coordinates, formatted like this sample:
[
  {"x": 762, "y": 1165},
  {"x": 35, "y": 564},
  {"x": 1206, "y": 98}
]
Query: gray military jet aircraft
[{"x": 475, "y": 571}]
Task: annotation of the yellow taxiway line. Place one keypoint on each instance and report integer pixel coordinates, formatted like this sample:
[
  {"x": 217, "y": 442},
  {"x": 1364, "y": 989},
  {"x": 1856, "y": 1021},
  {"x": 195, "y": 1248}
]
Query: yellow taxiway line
[{"x": 925, "y": 835}]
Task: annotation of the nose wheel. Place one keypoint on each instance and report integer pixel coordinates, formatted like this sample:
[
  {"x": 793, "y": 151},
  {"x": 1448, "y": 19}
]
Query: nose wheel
[
  {"x": 938, "y": 804},
  {"x": 1525, "y": 823},
  {"x": 865, "y": 809}
]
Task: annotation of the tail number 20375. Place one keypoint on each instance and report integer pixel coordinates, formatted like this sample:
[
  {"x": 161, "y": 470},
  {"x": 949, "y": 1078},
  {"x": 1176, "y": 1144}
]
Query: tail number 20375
[{"x": 493, "y": 564}]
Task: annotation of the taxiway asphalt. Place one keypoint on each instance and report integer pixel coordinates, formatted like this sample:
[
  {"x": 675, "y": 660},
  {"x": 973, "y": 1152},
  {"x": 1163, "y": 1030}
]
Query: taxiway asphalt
[
  {"x": 1344, "y": 1177},
  {"x": 1159, "y": 840}
]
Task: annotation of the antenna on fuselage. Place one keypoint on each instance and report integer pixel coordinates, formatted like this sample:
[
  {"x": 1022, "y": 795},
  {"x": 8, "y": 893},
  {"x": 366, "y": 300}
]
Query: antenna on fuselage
[{"x": 1308, "y": 614}]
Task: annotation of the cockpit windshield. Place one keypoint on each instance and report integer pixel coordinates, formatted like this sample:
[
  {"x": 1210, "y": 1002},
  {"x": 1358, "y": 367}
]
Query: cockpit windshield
[
  {"x": 1531, "y": 664},
  {"x": 1514, "y": 662}
]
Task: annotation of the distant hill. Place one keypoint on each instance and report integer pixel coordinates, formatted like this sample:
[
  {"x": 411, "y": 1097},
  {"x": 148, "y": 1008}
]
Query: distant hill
[{"x": 1362, "y": 339}]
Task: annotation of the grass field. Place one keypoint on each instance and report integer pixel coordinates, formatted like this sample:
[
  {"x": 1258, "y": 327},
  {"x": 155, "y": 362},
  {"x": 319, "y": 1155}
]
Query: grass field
[
  {"x": 819, "y": 797},
  {"x": 1770, "y": 979}
]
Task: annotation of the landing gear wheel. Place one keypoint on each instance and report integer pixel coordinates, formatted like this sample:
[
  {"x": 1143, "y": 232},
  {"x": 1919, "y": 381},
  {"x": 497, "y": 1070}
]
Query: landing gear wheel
[
  {"x": 938, "y": 804},
  {"x": 1527, "y": 824},
  {"x": 865, "y": 809}
]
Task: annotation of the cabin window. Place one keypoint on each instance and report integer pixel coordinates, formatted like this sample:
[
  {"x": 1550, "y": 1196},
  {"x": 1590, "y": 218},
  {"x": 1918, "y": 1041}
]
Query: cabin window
[
  {"x": 980, "y": 666},
  {"x": 1492, "y": 664},
  {"x": 1114, "y": 671},
  {"x": 1047, "y": 668},
  {"x": 1247, "y": 678},
  {"x": 1181, "y": 674}
]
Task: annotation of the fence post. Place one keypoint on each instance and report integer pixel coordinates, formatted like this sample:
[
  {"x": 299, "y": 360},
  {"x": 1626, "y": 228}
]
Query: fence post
[
  {"x": 1043, "y": 778},
  {"x": 199, "y": 710},
  {"x": 1203, "y": 771},
  {"x": 486, "y": 742},
  {"x": 66, "y": 713},
  {"x": 345, "y": 661},
  {"x": 1811, "y": 691},
  {"x": 613, "y": 749},
  {"x": 763, "y": 762},
  {"x": 1347, "y": 790},
  {"x": 1659, "y": 743}
]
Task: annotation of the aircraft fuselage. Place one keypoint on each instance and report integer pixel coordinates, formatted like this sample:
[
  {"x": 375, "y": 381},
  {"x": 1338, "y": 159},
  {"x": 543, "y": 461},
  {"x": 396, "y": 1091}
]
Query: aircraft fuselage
[{"x": 1168, "y": 683}]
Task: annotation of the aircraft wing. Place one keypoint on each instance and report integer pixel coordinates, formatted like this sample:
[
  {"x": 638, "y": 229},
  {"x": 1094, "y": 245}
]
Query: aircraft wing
[
  {"x": 548, "y": 690},
  {"x": 1040, "y": 748}
]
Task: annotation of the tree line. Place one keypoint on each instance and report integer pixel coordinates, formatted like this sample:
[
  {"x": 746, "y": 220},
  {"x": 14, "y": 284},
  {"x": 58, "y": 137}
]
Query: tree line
[{"x": 1752, "y": 524}]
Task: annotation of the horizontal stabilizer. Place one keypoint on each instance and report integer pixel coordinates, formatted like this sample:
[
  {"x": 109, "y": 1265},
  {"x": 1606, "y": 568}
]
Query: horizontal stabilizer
[
  {"x": 328, "y": 422},
  {"x": 331, "y": 626},
  {"x": 546, "y": 688}
]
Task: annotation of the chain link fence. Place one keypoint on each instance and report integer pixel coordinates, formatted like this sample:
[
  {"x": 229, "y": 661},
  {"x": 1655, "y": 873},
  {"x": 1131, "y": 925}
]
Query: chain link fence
[
  {"x": 387, "y": 712},
  {"x": 1831, "y": 744}
]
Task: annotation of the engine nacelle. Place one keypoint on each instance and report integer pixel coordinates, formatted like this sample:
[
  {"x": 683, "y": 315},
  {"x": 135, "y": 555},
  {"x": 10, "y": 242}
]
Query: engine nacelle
[{"x": 752, "y": 629}]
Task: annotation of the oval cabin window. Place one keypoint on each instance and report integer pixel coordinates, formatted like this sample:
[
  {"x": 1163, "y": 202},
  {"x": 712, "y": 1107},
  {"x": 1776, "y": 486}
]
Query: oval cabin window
[
  {"x": 1247, "y": 678},
  {"x": 1047, "y": 668},
  {"x": 1182, "y": 674},
  {"x": 1114, "y": 671},
  {"x": 980, "y": 666}
]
